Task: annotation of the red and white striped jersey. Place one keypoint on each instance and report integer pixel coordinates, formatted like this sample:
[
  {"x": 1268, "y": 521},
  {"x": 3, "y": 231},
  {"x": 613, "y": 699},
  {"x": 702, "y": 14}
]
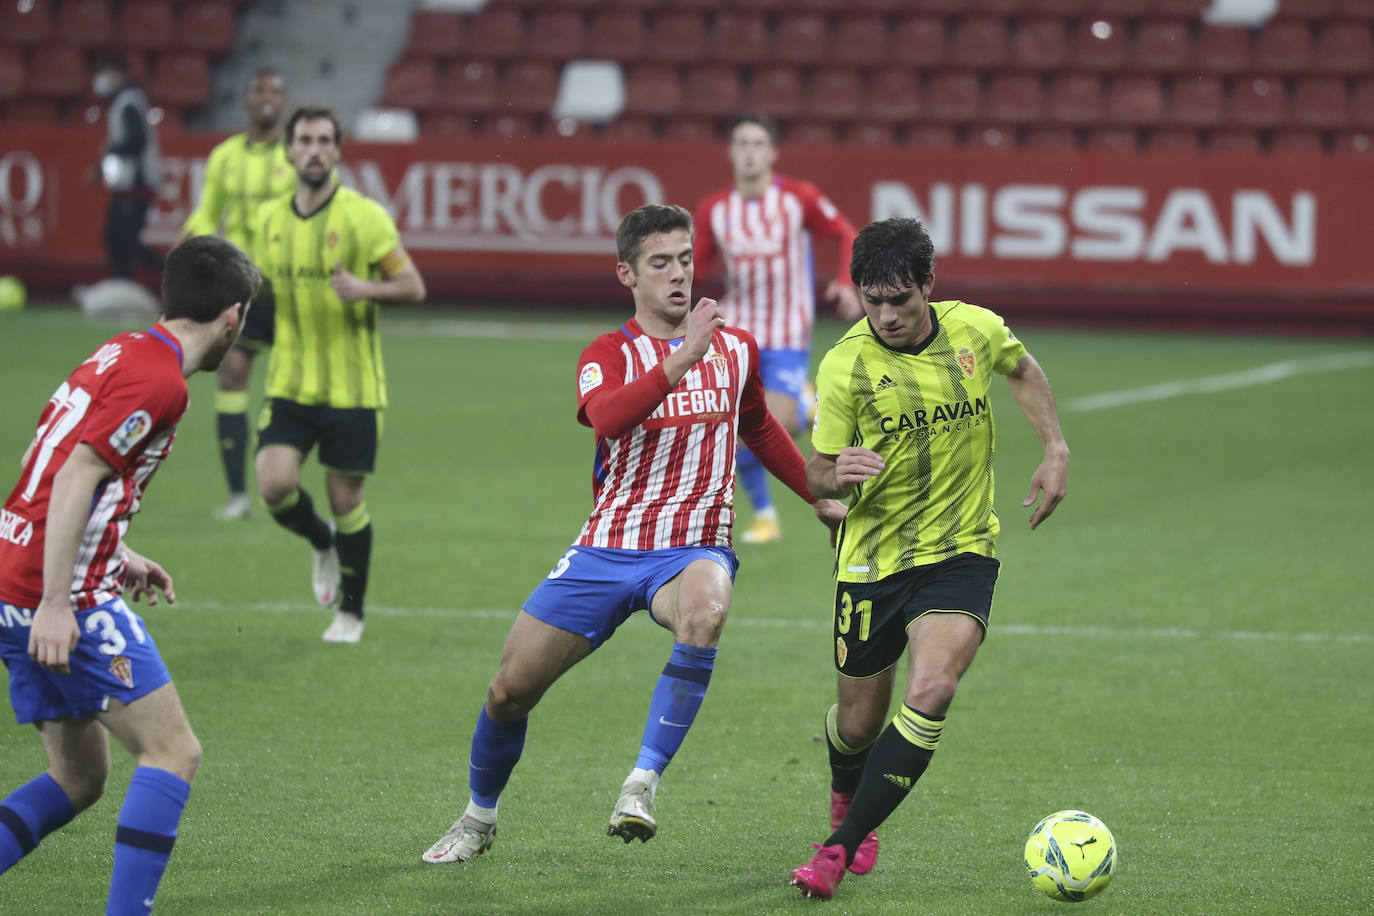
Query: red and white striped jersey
[
  {"x": 670, "y": 480},
  {"x": 765, "y": 244},
  {"x": 125, "y": 402}
]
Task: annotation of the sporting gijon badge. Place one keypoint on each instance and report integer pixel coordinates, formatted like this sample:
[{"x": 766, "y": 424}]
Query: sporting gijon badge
[
  {"x": 590, "y": 379},
  {"x": 131, "y": 431},
  {"x": 122, "y": 668}
]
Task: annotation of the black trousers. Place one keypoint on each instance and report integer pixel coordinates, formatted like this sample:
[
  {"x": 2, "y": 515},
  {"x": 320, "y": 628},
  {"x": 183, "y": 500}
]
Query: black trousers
[{"x": 123, "y": 225}]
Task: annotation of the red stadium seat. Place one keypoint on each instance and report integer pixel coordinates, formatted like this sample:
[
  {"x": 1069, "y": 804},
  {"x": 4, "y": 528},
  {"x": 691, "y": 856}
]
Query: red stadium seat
[
  {"x": 1297, "y": 140},
  {"x": 1074, "y": 99},
  {"x": 811, "y": 130},
  {"x": 1098, "y": 44},
  {"x": 888, "y": 7},
  {"x": 205, "y": 26},
  {"x": 932, "y": 136},
  {"x": 1321, "y": 102},
  {"x": 1362, "y": 104},
  {"x": 632, "y": 129},
  {"x": 411, "y": 83},
  {"x": 1057, "y": 139},
  {"x": 180, "y": 80},
  {"x": 1306, "y": 9},
  {"x": 1015, "y": 98},
  {"x": 26, "y": 23},
  {"x": 11, "y": 73},
  {"x": 712, "y": 90},
  {"x": 1178, "y": 9},
  {"x": 1040, "y": 44},
  {"x": 739, "y": 38},
  {"x": 776, "y": 91},
  {"x": 652, "y": 89},
  {"x": 1344, "y": 47},
  {"x": 1122, "y": 9},
  {"x": 894, "y": 96},
  {"x": 991, "y": 137},
  {"x": 1257, "y": 101},
  {"x": 980, "y": 42},
  {"x": 1352, "y": 143},
  {"x": 617, "y": 34},
  {"x": 434, "y": 33},
  {"x": 1196, "y": 101},
  {"x": 678, "y": 36},
  {"x": 556, "y": 35},
  {"x": 1173, "y": 140},
  {"x": 996, "y": 7},
  {"x": 496, "y": 33},
  {"x": 531, "y": 87},
  {"x": 923, "y": 40},
  {"x": 867, "y": 133},
  {"x": 1161, "y": 46},
  {"x": 1235, "y": 140},
  {"x": 859, "y": 41},
  {"x": 954, "y": 97},
  {"x": 145, "y": 25},
  {"x": 1284, "y": 46},
  {"x": 835, "y": 94},
  {"x": 1136, "y": 99},
  {"x": 1113, "y": 140},
  {"x": 56, "y": 72},
  {"x": 690, "y": 130},
  {"x": 1222, "y": 49},
  {"x": 33, "y": 111},
  {"x": 469, "y": 88},
  {"x": 801, "y": 39},
  {"x": 84, "y": 23},
  {"x": 1356, "y": 9},
  {"x": 1065, "y": 9},
  {"x": 448, "y": 124}
]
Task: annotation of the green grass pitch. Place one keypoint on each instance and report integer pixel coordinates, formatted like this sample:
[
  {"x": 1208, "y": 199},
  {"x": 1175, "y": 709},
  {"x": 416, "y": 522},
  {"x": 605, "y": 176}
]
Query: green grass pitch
[{"x": 1185, "y": 650}]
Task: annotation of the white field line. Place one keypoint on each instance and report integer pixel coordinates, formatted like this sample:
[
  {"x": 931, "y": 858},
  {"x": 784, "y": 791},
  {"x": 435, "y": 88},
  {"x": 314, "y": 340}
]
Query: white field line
[
  {"x": 1246, "y": 378},
  {"x": 1160, "y": 633}
]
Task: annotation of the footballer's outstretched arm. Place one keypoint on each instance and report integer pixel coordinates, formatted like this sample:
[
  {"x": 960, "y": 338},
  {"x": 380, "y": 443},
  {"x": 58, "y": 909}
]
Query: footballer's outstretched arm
[{"x": 1031, "y": 389}]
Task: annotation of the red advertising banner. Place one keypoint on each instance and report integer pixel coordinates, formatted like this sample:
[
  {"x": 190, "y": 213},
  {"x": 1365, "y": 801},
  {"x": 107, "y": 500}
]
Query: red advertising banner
[{"x": 535, "y": 219}]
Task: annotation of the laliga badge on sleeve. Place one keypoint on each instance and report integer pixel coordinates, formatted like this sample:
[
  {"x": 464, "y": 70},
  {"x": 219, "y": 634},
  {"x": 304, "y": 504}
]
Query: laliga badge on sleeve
[
  {"x": 131, "y": 431},
  {"x": 590, "y": 379}
]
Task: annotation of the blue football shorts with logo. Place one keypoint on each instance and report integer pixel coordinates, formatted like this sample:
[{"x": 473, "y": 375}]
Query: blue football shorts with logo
[
  {"x": 593, "y": 590},
  {"x": 115, "y": 658},
  {"x": 872, "y": 618}
]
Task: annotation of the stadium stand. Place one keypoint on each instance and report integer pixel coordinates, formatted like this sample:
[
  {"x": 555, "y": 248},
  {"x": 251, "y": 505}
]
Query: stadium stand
[{"x": 1174, "y": 75}]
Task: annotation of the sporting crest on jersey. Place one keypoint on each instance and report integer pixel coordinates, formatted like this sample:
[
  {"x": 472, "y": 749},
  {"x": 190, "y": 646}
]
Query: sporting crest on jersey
[
  {"x": 841, "y": 652},
  {"x": 332, "y": 240},
  {"x": 717, "y": 359},
  {"x": 131, "y": 431},
  {"x": 122, "y": 668},
  {"x": 967, "y": 361},
  {"x": 590, "y": 379}
]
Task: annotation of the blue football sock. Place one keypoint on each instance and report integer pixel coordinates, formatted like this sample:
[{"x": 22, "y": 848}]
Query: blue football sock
[
  {"x": 144, "y": 836},
  {"x": 496, "y": 749},
  {"x": 28, "y": 814},
  {"x": 754, "y": 476},
  {"x": 677, "y": 697}
]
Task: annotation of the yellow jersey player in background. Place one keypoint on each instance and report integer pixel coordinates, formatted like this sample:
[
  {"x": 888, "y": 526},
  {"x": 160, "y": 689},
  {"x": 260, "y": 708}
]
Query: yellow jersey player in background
[
  {"x": 904, "y": 432},
  {"x": 241, "y": 174},
  {"x": 333, "y": 256}
]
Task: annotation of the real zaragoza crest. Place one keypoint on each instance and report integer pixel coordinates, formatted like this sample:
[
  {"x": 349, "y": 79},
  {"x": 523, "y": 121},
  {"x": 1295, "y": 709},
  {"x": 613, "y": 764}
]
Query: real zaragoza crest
[{"x": 967, "y": 361}]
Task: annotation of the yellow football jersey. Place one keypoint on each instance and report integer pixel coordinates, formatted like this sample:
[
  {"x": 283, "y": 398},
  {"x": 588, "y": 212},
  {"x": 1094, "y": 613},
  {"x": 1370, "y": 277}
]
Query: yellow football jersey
[{"x": 240, "y": 176}]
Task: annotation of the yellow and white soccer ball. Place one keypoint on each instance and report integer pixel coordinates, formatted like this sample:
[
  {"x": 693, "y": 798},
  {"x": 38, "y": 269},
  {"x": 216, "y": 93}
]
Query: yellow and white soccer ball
[
  {"x": 1071, "y": 856},
  {"x": 12, "y": 294}
]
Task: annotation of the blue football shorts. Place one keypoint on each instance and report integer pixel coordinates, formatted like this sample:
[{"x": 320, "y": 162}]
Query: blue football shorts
[
  {"x": 785, "y": 371},
  {"x": 593, "y": 590},
  {"x": 114, "y": 658}
]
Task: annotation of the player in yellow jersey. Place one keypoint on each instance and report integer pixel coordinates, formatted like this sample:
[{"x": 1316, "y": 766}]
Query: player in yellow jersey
[
  {"x": 333, "y": 255},
  {"x": 241, "y": 174},
  {"x": 905, "y": 433}
]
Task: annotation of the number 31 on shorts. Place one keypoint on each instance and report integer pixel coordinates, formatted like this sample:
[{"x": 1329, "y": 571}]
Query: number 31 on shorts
[{"x": 844, "y": 620}]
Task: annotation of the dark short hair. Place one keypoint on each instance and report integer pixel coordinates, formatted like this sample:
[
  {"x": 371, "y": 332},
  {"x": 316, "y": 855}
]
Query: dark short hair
[
  {"x": 762, "y": 120},
  {"x": 892, "y": 252},
  {"x": 205, "y": 275},
  {"x": 262, "y": 73},
  {"x": 314, "y": 113},
  {"x": 642, "y": 222}
]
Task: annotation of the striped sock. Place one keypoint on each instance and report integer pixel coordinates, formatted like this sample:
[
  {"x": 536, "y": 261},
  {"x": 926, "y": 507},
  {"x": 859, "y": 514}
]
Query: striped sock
[
  {"x": 846, "y": 763},
  {"x": 297, "y": 514},
  {"x": 231, "y": 423},
  {"x": 28, "y": 814},
  {"x": 144, "y": 836},
  {"x": 354, "y": 543}
]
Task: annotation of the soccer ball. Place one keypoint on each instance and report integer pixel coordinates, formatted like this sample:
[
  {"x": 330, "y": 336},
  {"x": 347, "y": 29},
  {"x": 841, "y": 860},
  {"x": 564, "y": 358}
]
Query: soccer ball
[{"x": 1071, "y": 856}]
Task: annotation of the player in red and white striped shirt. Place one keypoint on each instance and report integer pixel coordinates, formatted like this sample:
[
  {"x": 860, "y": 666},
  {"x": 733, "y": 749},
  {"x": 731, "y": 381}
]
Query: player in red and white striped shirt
[
  {"x": 667, "y": 395},
  {"x": 82, "y": 665},
  {"x": 760, "y": 228}
]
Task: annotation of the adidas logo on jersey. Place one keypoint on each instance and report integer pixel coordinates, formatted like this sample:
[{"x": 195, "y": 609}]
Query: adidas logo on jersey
[
  {"x": 902, "y": 781},
  {"x": 885, "y": 383}
]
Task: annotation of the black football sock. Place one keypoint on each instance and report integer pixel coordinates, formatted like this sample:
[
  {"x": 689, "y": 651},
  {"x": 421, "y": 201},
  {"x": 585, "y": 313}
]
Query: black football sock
[
  {"x": 231, "y": 424},
  {"x": 354, "y": 543},
  {"x": 846, "y": 763},
  {"x": 296, "y": 513}
]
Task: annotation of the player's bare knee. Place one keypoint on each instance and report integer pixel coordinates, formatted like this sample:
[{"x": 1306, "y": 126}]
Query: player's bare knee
[
  {"x": 701, "y": 623},
  {"x": 506, "y": 702},
  {"x": 931, "y": 693},
  {"x": 83, "y": 785}
]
